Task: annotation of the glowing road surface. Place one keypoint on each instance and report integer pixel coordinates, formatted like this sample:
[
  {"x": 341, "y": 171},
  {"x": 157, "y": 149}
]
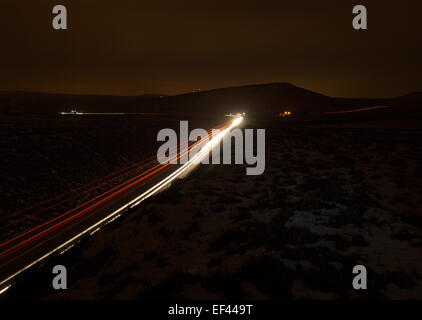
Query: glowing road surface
[{"x": 58, "y": 234}]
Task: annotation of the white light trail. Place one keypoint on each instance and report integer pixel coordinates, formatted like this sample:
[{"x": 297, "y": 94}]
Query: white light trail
[
  {"x": 91, "y": 113},
  {"x": 67, "y": 249},
  {"x": 203, "y": 152},
  {"x": 95, "y": 231},
  {"x": 5, "y": 289},
  {"x": 195, "y": 160}
]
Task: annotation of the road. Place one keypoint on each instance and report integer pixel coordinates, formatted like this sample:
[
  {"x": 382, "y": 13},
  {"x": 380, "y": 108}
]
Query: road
[{"x": 24, "y": 250}]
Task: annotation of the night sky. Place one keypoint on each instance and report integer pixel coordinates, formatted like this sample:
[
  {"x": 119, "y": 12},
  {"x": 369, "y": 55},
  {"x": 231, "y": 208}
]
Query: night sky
[{"x": 130, "y": 47}]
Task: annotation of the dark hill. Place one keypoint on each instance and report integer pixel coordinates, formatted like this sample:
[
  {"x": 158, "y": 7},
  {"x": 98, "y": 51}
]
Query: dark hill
[
  {"x": 265, "y": 99},
  {"x": 254, "y": 99}
]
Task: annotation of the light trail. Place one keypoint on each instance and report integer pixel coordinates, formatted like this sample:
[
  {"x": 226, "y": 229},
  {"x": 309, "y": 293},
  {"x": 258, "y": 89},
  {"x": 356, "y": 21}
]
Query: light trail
[
  {"x": 154, "y": 170},
  {"x": 356, "y": 110},
  {"x": 93, "y": 228},
  {"x": 103, "y": 181},
  {"x": 132, "y": 167},
  {"x": 111, "y": 177},
  {"x": 109, "y": 113},
  {"x": 24, "y": 243},
  {"x": 195, "y": 160},
  {"x": 5, "y": 289},
  {"x": 139, "y": 164},
  {"x": 71, "y": 246}
]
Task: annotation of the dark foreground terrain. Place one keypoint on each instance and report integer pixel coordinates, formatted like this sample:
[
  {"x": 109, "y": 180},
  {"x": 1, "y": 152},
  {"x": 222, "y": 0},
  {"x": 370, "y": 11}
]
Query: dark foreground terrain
[{"x": 332, "y": 196}]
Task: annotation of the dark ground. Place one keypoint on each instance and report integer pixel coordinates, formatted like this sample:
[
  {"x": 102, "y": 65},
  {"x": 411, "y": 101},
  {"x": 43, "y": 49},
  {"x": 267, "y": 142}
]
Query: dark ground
[{"x": 333, "y": 195}]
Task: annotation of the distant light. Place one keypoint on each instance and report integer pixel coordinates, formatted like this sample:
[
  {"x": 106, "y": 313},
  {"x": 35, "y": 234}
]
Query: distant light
[{"x": 285, "y": 114}]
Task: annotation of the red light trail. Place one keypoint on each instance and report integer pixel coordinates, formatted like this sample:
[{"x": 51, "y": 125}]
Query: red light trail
[{"x": 56, "y": 224}]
